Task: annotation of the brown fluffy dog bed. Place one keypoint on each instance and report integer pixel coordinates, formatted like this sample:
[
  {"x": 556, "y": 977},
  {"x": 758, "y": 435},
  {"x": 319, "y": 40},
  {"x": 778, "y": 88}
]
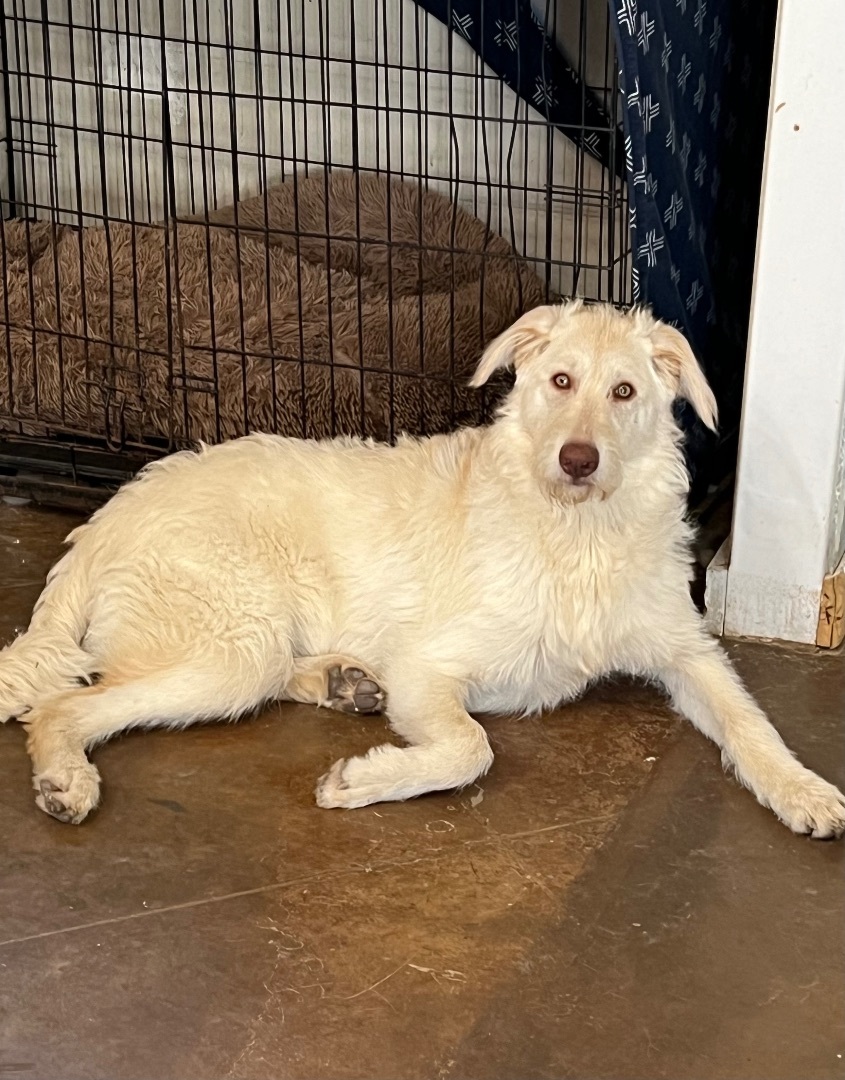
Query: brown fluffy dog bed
[{"x": 173, "y": 354}]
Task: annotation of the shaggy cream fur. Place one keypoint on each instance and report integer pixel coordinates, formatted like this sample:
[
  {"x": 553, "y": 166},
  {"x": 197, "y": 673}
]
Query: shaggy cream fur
[{"x": 466, "y": 573}]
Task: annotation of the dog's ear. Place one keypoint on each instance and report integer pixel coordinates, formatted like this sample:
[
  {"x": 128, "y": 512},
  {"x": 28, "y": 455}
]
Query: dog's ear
[
  {"x": 677, "y": 366},
  {"x": 508, "y": 348}
]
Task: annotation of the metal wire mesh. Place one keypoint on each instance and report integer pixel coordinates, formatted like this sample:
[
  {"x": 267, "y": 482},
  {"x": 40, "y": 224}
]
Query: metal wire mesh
[{"x": 304, "y": 216}]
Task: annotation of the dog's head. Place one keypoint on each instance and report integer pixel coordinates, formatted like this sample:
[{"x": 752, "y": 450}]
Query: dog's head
[{"x": 594, "y": 392}]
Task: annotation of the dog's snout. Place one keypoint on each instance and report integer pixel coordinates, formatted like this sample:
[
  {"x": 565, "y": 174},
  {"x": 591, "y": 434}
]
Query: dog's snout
[{"x": 579, "y": 459}]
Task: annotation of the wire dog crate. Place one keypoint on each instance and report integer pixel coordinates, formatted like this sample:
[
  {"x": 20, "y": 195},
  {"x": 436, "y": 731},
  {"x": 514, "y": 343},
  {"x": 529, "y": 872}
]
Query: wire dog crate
[{"x": 301, "y": 216}]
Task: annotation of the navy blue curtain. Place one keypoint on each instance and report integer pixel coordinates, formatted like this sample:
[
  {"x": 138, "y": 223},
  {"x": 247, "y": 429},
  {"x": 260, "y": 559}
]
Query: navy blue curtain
[
  {"x": 511, "y": 39},
  {"x": 695, "y": 78}
]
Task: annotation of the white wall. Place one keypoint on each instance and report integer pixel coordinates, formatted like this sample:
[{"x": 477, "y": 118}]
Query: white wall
[{"x": 788, "y": 518}]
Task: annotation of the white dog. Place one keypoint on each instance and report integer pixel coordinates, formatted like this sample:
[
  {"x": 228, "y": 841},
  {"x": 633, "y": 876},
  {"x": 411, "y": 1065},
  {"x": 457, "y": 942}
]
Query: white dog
[{"x": 498, "y": 569}]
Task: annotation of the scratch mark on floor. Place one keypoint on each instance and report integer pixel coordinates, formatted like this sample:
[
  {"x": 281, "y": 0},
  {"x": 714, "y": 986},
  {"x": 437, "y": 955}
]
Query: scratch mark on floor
[{"x": 276, "y": 886}]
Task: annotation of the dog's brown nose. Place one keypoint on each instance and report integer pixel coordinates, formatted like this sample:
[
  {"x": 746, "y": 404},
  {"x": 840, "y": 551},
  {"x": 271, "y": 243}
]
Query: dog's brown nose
[{"x": 579, "y": 459}]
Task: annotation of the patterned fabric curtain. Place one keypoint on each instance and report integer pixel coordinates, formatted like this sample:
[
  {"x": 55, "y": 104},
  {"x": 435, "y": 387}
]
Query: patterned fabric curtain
[
  {"x": 511, "y": 37},
  {"x": 695, "y": 76}
]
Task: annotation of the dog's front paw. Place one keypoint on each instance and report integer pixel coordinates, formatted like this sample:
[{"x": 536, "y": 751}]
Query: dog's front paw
[
  {"x": 68, "y": 794},
  {"x": 378, "y": 776},
  {"x": 331, "y": 787},
  {"x": 807, "y": 804},
  {"x": 335, "y": 789}
]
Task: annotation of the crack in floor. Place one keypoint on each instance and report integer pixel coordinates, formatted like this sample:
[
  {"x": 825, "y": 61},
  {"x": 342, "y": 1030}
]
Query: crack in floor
[{"x": 274, "y": 886}]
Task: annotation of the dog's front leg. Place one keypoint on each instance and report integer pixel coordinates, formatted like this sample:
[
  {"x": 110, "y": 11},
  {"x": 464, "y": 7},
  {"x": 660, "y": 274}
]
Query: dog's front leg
[
  {"x": 448, "y": 749},
  {"x": 706, "y": 689}
]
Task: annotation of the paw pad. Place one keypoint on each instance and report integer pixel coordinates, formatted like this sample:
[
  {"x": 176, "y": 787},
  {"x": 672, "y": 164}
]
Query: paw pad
[{"x": 351, "y": 690}]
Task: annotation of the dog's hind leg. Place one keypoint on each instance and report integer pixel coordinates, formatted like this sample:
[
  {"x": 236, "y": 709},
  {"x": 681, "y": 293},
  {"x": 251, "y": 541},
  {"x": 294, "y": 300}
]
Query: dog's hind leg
[
  {"x": 63, "y": 727},
  {"x": 447, "y": 750},
  {"x": 335, "y": 682}
]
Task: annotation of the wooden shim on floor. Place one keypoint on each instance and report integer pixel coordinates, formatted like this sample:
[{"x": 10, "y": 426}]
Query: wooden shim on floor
[
  {"x": 715, "y": 592},
  {"x": 831, "y": 629}
]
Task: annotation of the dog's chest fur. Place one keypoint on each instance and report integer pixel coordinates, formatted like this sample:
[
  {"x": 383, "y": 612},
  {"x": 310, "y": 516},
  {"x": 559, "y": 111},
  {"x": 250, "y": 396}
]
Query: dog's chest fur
[{"x": 582, "y": 610}]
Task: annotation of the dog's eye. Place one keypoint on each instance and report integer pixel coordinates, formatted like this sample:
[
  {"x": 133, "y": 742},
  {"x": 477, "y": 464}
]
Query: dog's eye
[
  {"x": 624, "y": 391},
  {"x": 562, "y": 382}
]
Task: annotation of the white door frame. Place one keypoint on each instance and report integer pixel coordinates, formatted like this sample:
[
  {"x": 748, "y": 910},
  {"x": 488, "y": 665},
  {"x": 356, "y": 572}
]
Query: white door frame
[{"x": 790, "y": 496}]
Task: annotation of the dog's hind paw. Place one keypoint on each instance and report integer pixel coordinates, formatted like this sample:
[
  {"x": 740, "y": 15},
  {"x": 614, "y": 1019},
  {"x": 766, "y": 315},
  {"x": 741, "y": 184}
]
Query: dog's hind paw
[
  {"x": 68, "y": 795},
  {"x": 351, "y": 690}
]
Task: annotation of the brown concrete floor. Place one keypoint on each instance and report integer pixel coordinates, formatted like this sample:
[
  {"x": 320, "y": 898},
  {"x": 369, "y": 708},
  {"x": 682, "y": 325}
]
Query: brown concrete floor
[{"x": 606, "y": 905}]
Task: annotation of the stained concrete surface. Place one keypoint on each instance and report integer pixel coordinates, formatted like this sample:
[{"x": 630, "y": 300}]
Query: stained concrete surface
[{"x": 605, "y": 904}]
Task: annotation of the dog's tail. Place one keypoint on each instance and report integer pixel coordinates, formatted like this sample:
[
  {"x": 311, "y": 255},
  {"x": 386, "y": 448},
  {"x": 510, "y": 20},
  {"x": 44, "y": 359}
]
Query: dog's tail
[{"x": 49, "y": 657}]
